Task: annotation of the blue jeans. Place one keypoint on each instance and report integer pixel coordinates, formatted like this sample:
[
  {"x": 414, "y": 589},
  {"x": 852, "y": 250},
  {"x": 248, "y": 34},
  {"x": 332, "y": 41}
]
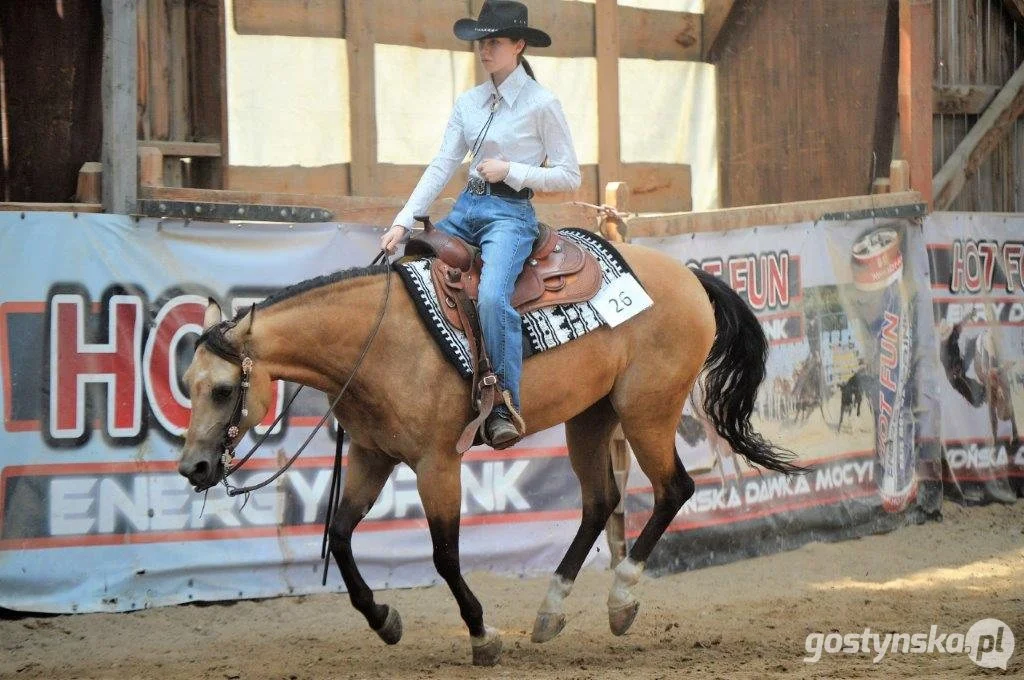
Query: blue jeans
[{"x": 505, "y": 230}]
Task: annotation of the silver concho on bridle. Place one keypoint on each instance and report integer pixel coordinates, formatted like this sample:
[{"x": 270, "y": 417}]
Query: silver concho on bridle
[{"x": 241, "y": 412}]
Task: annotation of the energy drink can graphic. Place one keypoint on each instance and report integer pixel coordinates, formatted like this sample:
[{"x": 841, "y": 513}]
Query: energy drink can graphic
[{"x": 877, "y": 264}]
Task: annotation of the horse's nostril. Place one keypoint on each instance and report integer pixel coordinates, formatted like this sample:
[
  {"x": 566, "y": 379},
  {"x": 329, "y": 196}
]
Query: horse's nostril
[{"x": 201, "y": 469}]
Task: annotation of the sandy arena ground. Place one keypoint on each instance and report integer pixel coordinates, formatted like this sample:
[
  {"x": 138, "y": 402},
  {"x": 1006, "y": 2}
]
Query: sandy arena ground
[{"x": 744, "y": 620}]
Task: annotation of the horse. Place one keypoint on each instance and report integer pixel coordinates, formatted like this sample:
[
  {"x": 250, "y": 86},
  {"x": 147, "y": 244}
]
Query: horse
[
  {"x": 406, "y": 404},
  {"x": 993, "y": 384},
  {"x": 851, "y": 393}
]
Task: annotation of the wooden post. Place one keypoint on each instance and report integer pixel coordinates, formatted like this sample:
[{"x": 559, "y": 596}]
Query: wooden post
[
  {"x": 361, "y": 96},
  {"x": 144, "y": 128},
  {"x": 120, "y": 57},
  {"x": 616, "y": 195},
  {"x": 90, "y": 183},
  {"x": 159, "y": 95},
  {"x": 606, "y": 30},
  {"x": 915, "y": 92},
  {"x": 899, "y": 176},
  {"x": 151, "y": 167}
]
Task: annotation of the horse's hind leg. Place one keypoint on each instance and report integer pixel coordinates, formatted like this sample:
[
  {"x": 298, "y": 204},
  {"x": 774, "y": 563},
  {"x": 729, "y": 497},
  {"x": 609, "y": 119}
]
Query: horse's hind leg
[
  {"x": 588, "y": 437},
  {"x": 438, "y": 479},
  {"x": 365, "y": 477},
  {"x": 648, "y": 426}
]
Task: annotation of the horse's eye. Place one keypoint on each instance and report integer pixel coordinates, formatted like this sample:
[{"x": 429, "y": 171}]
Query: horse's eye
[{"x": 221, "y": 393}]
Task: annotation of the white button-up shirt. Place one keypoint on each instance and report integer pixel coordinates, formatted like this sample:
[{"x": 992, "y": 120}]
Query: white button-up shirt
[{"x": 528, "y": 127}]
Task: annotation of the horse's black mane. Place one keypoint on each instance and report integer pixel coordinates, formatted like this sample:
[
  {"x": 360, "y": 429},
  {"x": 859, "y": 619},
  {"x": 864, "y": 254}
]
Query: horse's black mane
[
  {"x": 316, "y": 282},
  {"x": 215, "y": 337}
]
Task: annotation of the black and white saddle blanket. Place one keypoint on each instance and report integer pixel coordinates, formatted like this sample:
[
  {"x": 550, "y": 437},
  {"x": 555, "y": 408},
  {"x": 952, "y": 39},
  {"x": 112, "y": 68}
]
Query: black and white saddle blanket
[{"x": 542, "y": 329}]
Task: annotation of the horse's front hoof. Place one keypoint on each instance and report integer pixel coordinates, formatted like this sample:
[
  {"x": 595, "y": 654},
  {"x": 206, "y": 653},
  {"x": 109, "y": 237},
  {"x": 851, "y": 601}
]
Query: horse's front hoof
[
  {"x": 391, "y": 631},
  {"x": 547, "y": 626},
  {"x": 621, "y": 618},
  {"x": 487, "y": 649}
]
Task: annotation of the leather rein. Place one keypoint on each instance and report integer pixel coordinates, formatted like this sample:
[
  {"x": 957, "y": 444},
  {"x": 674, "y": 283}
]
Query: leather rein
[{"x": 239, "y": 412}]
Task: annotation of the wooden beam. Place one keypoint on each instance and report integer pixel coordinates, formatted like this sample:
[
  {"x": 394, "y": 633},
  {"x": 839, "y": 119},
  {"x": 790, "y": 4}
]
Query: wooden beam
[
  {"x": 985, "y": 136},
  {"x": 120, "y": 101},
  {"x": 313, "y": 19},
  {"x": 185, "y": 149},
  {"x": 359, "y": 39},
  {"x": 355, "y": 209},
  {"x": 609, "y": 152},
  {"x": 52, "y": 207},
  {"x": 761, "y": 215},
  {"x": 656, "y": 34},
  {"x": 962, "y": 99},
  {"x": 917, "y": 55}
]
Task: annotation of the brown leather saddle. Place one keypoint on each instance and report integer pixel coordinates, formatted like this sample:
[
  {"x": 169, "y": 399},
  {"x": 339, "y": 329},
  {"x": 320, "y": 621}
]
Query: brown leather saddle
[{"x": 558, "y": 271}]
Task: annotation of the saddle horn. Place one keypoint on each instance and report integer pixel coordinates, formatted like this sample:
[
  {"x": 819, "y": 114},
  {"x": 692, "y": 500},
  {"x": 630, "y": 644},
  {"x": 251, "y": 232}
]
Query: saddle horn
[{"x": 425, "y": 219}]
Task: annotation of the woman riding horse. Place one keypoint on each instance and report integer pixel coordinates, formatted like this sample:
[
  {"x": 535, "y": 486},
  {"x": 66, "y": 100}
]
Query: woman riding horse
[
  {"x": 516, "y": 125},
  {"x": 344, "y": 334}
]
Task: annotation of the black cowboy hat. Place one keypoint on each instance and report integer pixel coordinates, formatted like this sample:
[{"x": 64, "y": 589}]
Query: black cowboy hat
[{"x": 501, "y": 19}]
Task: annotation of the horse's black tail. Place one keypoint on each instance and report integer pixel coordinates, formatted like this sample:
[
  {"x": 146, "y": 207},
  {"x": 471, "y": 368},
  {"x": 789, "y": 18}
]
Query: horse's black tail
[{"x": 734, "y": 371}]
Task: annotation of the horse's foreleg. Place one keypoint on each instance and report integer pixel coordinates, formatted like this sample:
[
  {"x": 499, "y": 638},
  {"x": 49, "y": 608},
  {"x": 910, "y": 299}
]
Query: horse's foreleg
[
  {"x": 588, "y": 437},
  {"x": 438, "y": 479},
  {"x": 365, "y": 477}
]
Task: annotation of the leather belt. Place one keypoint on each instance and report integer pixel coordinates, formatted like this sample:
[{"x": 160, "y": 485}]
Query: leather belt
[{"x": 479, "y": 187}]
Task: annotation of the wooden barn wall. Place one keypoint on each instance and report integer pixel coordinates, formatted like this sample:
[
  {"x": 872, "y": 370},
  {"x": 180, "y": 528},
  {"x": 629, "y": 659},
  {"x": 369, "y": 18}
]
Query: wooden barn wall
[
  {"x": 978, "y": 42},
  {"x": 52, "y": 59},
  {"x": 798, "y": 88}
]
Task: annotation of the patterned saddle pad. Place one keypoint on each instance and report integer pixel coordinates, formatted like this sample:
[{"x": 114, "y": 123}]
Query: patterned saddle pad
[{"x": 542, "y": 329}]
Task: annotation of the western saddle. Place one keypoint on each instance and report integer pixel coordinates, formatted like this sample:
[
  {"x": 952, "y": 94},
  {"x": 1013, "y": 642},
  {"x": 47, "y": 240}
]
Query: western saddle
[{"x": 557, "y": 272}]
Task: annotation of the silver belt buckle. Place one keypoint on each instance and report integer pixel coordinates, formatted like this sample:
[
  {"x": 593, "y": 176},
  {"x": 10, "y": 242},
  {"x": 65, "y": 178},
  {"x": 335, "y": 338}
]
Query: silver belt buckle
[{"x": 477, "y": 186}]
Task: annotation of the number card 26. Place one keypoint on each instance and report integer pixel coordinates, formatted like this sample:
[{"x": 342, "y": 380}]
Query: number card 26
[{"x": 621, "y": 300}]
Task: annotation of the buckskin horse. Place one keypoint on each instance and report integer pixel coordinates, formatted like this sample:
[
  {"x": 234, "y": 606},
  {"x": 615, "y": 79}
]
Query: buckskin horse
[{"x": 406, "y": 404}]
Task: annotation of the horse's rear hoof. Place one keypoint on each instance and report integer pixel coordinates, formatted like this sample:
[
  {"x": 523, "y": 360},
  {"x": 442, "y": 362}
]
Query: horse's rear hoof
[
  {"x": 487, "y": 649},
  {"x": 547, "y": 626},
  {"x": 391, "y": 631},
  {"x": 621, "y": 618}
]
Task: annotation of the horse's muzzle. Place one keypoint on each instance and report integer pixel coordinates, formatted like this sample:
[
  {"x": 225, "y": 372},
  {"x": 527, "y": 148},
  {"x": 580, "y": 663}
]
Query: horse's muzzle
[{"x": 201, "y": 474}]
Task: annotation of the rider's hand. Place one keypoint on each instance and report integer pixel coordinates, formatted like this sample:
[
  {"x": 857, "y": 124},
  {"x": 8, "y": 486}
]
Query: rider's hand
[
  {"x": 392, "y": 237},
  {"x": 493, "y": 170}
]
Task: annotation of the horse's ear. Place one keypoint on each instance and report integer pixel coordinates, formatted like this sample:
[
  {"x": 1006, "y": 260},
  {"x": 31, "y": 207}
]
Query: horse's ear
[
  {"x": 213, "y": 315},
  {"x": 250, "y": 318}
]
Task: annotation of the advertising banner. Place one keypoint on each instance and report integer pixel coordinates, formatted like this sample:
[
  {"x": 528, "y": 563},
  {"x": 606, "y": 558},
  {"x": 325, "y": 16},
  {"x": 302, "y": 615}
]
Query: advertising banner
[
  {"x": 845, "y": 308},
  {"x": 976, "y": 265},
  {"x": 894, "y": 374}
]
